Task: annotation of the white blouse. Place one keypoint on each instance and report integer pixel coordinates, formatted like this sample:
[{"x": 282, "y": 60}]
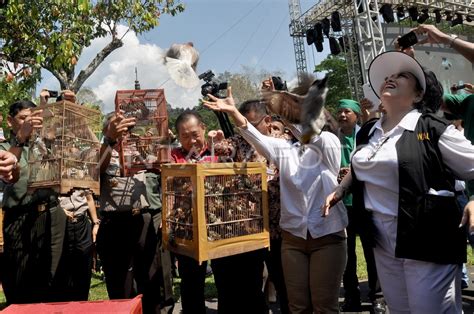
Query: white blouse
[
  {"x": 305, "y": 181},
  {"x": 377, "y": 163}
]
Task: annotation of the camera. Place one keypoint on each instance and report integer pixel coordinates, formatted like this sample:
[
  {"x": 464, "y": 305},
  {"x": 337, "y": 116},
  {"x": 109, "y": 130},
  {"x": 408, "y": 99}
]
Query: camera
[
  {"x": 407, "y": 40},
  {"x": 278, "y": 83},
  {"x": 53, "y": 93},
  {"x": 458, "y": 87},
  {"x": 211, "y": 86}
]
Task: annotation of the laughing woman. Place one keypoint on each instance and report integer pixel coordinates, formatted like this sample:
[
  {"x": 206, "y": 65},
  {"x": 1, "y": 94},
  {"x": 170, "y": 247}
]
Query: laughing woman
[{"x": 403, "y": 174}]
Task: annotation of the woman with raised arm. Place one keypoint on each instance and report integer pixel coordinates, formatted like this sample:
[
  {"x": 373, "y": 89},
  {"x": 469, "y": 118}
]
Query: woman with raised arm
[
  {"x": 403, "y": 174},
  {"x": 313, "y": 248}
]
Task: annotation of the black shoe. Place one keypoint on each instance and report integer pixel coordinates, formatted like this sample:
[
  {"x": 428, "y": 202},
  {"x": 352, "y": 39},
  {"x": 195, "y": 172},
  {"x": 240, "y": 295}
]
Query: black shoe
[{"x": 351, "y": 305}]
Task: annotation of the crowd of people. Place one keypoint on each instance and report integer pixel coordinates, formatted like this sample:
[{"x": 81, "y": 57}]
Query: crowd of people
[{"x": 394, "y": 176}]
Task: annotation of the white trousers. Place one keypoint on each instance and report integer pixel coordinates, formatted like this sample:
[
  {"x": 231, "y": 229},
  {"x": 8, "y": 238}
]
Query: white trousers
[{"x": 411, "y": 286}]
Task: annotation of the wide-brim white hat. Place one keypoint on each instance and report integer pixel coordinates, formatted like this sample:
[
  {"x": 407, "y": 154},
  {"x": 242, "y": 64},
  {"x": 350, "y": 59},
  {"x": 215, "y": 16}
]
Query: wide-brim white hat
[{"x": 393, "y": 62}]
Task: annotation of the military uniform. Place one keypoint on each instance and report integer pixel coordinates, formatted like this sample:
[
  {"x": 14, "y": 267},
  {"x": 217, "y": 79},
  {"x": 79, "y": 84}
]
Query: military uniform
[
  {"x": 128, "y": 243},
  {"x": 34, "y": 231}
]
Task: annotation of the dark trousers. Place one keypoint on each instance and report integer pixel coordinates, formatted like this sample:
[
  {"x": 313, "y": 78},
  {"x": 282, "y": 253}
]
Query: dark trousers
[
  {"x": 349, "y": 279},
  {"x": 32, "y": 249},
  {"x": 192, "y": 277},
  {"x": 161, "y": 281},
  {"x": 126, "y": 245},
  {"x": 275, "y": 273},
  {"x": 239, "y": 282},
  {"x": 73, "y": 278}
]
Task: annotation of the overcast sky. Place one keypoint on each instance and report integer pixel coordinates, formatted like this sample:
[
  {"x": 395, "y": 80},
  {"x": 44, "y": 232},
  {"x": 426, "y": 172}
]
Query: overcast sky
[{"x": 227, "y": 34}]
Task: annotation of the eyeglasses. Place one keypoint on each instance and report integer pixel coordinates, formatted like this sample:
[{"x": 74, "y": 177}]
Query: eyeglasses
[
  {"x": 377, "y": 147},
  {"x": 258, "y": 122}
]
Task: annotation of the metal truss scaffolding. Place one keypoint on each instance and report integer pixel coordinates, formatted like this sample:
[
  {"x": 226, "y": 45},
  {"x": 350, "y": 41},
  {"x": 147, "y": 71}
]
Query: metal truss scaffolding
[{"x": 361, "y": 29}]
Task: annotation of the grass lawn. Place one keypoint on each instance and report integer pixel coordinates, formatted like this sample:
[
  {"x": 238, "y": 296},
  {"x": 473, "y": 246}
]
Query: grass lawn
[{"x": 98, "y": 290}]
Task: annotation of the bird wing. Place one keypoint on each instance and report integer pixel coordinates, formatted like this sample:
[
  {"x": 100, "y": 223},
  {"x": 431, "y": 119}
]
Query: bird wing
[
  {"x": 182, "y": 73},
  {"x": 185, "y": 52},
  {"x": 287, "y": 105}
]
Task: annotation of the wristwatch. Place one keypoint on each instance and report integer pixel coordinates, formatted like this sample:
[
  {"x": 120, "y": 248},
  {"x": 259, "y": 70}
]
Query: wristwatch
[
  {"x": 109, "y": 142},
  {"x": 15, "y": 143}
]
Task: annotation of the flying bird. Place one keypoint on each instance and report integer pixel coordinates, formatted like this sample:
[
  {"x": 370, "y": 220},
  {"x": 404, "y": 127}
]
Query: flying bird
[
  {"x": 303, "y": 105},
  {"x": 181, "y": 61}
]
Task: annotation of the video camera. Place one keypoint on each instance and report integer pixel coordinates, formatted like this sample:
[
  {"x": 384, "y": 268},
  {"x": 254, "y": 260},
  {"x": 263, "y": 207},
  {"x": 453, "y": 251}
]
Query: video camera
[
  {"x": 278, "y": 83},
  {"x": 211, "y": 86},
  {"x": 214, "y": 88}
]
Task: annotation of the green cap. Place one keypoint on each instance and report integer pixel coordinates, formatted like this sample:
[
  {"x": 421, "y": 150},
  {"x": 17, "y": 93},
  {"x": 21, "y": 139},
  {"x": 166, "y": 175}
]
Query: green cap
[
  {"x": 452, "y": 100},
  {"x": 349, "y": 104}
]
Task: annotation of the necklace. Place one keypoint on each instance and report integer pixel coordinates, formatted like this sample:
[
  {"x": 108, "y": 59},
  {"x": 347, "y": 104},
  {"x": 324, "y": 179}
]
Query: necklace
[{"x": 377, "y": 147}]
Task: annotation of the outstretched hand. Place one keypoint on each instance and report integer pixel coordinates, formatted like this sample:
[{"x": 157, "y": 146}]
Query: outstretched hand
[
  {"x": 469, "y": 88},
  {"x": 218, "y": 104},
  {"x": 434, "y": 35}
]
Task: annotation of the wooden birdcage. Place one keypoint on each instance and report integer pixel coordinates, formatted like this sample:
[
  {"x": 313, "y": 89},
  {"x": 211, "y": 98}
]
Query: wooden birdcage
[
  {"x": 212, "y": 210},
  {"x": 146, "y": 146},
  {"x": 64, "y": 154}
]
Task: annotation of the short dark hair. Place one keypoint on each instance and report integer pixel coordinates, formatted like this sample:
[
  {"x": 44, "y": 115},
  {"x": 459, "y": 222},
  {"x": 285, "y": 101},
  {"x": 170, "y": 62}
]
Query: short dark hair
[
  {"x": 185, "y": 116},
  {"x": 18, "y": 106},
  {"x": 256, "y": 105},
  {"x": 433, "y": 96}
]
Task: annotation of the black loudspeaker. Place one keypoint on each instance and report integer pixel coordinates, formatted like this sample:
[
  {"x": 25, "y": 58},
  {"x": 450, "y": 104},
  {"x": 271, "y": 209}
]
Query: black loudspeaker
[
  {"x": 319, "y": 46},
  {"x": 326, "y": 24},
  {"x": 318, "y": 32},
  {"x": 310, "y": 36},
  {"x": 334, "y": 46},
  {"x": 387, "y": 13},
  {"x": 336, "y": 21}
]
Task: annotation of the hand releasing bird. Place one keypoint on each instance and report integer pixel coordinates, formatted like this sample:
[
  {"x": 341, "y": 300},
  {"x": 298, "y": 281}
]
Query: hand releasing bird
[
  {"x": 304, "y": 105},
  {"x": 181, "y": 61}
]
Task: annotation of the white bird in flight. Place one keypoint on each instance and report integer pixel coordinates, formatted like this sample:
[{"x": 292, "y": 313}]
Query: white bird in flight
[{"x": 181, "y": 61}]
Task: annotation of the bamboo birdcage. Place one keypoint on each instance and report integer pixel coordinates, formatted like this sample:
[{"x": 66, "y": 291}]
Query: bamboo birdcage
[
  {"x": 212, "y": 210},
  {"x": 64, "y": 154},
  {"x": 146, "y": 146}
]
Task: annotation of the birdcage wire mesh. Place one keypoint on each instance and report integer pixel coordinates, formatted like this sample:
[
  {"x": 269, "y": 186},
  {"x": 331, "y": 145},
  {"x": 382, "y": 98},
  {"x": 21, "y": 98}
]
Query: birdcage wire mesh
[
  {"x": 233, "y": 206},
  {"x": 146, "y": 146},
  {"x": 179, "y": 218},
  {"x": 64, "y": 154}
]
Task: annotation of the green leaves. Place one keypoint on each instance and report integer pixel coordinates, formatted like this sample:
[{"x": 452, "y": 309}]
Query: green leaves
[
  {"x": 338, "y": 81},
  {"x": 54, "y": 33}
]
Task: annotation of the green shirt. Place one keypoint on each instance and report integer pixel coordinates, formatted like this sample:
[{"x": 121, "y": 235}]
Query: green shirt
[
  {"x": 347, "y": 146},
  {"x": 16, "y": 194},
  {"x": 462, "y": 106},
  {"x": 153, "y": 190}
]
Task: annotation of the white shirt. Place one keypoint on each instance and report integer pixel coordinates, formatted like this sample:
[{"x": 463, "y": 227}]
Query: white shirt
[
  {"x": 379, "y": 171},
  {"x": 305, "y": 181}
]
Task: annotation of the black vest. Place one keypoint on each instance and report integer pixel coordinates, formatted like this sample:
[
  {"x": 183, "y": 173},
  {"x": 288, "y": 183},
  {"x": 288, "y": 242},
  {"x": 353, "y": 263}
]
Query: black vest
[{"x": 428, "y": 225}]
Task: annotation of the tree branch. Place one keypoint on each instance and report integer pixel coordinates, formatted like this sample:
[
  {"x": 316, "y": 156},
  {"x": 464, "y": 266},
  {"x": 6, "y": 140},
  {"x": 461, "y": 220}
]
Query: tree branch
[
  {"x": 61, "y": 78},
  {"x": 99, "y": 58}
]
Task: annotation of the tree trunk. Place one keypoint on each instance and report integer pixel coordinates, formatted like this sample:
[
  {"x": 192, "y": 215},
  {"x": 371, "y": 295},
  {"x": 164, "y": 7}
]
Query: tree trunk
[{"x": 99, "y": 58}]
